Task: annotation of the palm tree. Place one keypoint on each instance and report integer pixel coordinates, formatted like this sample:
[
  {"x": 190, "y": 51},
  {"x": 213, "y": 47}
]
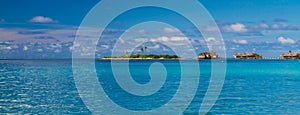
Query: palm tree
[
  {"x": 126, "y": 53},
  {"x": 143, "y": 49}
]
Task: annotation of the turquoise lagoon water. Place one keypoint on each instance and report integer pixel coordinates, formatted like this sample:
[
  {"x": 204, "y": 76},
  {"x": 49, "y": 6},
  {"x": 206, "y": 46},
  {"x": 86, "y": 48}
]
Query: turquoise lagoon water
[{"x": 250, "y": 87}]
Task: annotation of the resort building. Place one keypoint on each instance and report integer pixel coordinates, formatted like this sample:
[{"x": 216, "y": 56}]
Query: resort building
[
  {"x": 290, "y": 55},
  {"x": 208, "y": 55},
  {"x": 247, "y": 55}
]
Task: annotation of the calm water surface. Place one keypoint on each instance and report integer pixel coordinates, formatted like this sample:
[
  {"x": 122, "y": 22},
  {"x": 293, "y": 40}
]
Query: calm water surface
[{"x": 250, "y": 87}]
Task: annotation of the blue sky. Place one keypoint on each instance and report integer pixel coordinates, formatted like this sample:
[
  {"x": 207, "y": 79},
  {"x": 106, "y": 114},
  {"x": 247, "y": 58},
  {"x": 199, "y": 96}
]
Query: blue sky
[{"x": 46, "y": 28}]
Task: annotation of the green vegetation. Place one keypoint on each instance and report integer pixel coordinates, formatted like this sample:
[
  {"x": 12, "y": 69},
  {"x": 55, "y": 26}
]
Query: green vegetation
[
  {"x": 146, "y": 56},
  {"x": 142, "y": 56}
]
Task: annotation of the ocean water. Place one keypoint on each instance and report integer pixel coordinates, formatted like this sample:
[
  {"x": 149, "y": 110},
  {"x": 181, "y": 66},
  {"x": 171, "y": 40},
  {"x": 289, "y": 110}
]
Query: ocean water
[{"x": 250, "y": 87}]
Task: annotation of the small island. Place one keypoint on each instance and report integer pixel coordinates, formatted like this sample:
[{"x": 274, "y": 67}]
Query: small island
[{"x": 143, "y": 57}]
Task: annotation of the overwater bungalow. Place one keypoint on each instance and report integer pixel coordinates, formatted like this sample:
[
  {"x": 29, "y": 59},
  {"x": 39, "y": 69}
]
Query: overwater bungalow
[
  {"x": 208, "y": 55},
  {"x": 246, "y": 55},
  {"x": 290, "y": 55}
]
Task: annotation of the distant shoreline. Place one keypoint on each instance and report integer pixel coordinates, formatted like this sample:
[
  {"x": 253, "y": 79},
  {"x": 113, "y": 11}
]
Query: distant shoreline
[
  {"x": 151, "y": 59},
  {"x": 190, "y": 59},
  {"x": 138, "y": 59}
]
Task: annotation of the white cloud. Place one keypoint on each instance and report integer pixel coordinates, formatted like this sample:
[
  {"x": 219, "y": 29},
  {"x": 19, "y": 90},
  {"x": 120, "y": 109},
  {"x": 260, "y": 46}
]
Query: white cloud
[
  {"x": 8, "y": 48},
  {"x": 22, "y": 35},
  {"x": 212, "y": 43},
  {"x": 140, "y": 39},
  {"x": 15, "y": 46},
  {"x": 155, "y": 47},
  {"x": 275, "y": 26},
  {"x": 172, "y": 41},
  {"x": 283, "y": 40},
  {"x": 55, "y": 45},
  {"x": 25, "y": 48},
  {"x": 171, "y": 30},
  {"x": 240, "y": 41},
  {"x": 211, "y": 29},
  {"x": 42, "y": 19},
  {"x": 176, "y": 38},
  {"x": 237, "y": 27},
  {"x": 141, "y": 31},
  {"x": 153, "y": 40},
  {"x": 39, "y": 50},
  {"x": 163, "y": 39},
  {"x": 168, "y": 39},
  {"x": 57, "y": 51},
  {"x": 233, "y": 48},
  {"x": 264, "y": 26},
  {"x": 210, "y": 39},
  {"x": 104, "y": 46}
]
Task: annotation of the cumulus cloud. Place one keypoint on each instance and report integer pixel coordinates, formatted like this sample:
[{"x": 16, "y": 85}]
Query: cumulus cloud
[
  {"x": 104, "y": 46},
  {"x": 55, "y": 45},
  {"x": 177, "y": 38},
  {"x": 254, "y": 29},
  {"x": 25, "y": 48},
  {"x": 155, "y": 46},
  {"x": 210, "y": 39},
  {"x": 264, "y": 26},
  {"x": 40, "y": 50},
  {"x": 240, "y": 41},
  {"x": 284, "y": 27},
  {"x": 42, "y": 19},
  {"x": 141, "y": 31},
  {"x": 168, "y": 39},
  {"x": 23, "y": 42},
  {"x": 275, "y": 26},
  {"x": 5, "y": 47},
  {"x": 23, "y": 35},
  {"x": 164, "y": 39},
  {"x": 237, "y": 27},
  {"x": 211, "y": 29},
  {"x": 284, "y": 40},
  {"x": 57, "y": 51},
  {"x": 170, "y": 30}
]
